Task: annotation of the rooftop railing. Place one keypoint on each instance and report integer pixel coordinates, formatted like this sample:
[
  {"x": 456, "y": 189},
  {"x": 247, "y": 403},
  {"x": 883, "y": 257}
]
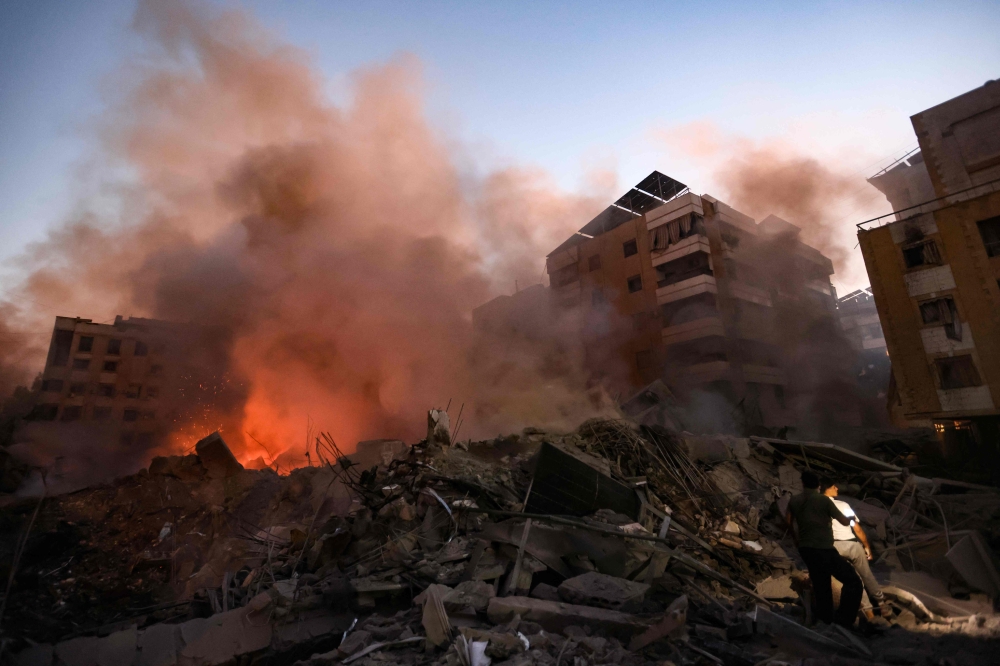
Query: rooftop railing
[{"x": 931, "y": 206}]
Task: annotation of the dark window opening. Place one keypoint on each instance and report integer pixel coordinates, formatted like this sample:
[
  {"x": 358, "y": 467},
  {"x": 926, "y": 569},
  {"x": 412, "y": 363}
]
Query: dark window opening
[
  {"x": 634, "y": 284},
  {"x": 77, "y": 389},
  {"x": 130, "y": 415},
  {"x": 152, "y": 391},
  {"x": 594, "y": 263},
  {"x": 685, "y": 268},
  {"x": 101, "y": 413},
  {"x": 695, "y": 307},
  {"x": 957, "y": 372},
  {"x": 106, "y": 390},
  {"x": 989, "y": 229},
  {"x": 701, "y": 350},
  {"x": 86, "y": 344},
  {"x": 111, "y": 366},
  {"x": 133, "y": 390},
  {"x": 630, "y": 248},
  {"x": 922, "y": 254},
  {"x": 156, "y": 369},
  {"x": 44, "y": 412},
  {"x": 141, "y": 348},
  {"x": 115, "y": 346},
  {"x": 71, "y": 413},
  {"x": 565, "y": 275},
  {"x": 81, "y": 363},
  {"x": 52, "y": 385},
  {"x": 942, "y": 311},
  {"x": 62, "y": 343}
]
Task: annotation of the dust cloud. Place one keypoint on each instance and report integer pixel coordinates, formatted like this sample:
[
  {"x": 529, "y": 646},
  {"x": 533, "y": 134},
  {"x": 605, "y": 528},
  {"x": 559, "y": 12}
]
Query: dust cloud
[{"x": 332, "y": 254}]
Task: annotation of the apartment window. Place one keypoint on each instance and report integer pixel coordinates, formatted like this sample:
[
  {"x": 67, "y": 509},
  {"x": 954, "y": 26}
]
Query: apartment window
[
  {"x": 130, "y": 415},
  {"x": 630, "y": 248},
  {"x": 106, "y": 390},
  {"x": 62, "y": 343},
  {"x": 52, "y": 385},
  {"x": 685, "y": 268},
  {"x": 689, "y": 309},
  {"x": 111, "y": 366},
  {"x": 81, "y": 363},
  {"x": 634, "y": 284},
  {"x": 45, "y": 412},
  {"x": 942, "y": 311},
  {"x": 86, "y": 344},
  {"x": 101, "y": 413},
  {"x": 924, "y": 253},
  {"x": 141, "y": 348},
  {"x": 115, "y": 346},
  {"x": 152, "y": 391},
  {"x": 156, "y": 369},
  {"x": 957, "y": 372},
  {"x": 989, "y": 229},
  {"x": 79, "y": 388},
  {"x": 133, "y": 390},
  {"x": 594, "y": 263},
  {"x": 71, "y": 413},
  {"x": 597, "y": 298}
]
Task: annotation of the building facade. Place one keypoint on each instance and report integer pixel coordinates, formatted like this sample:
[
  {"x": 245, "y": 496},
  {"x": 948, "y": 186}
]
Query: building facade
[
  {"x": 673, "y": 285},
  {"x": 859, "y": 321},
  {"x": 934, "y": 265},
  {"x": 121, "y": 380}
]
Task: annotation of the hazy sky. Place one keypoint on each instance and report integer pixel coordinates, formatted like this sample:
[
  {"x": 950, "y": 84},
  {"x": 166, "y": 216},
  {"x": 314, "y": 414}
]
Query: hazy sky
[{"x": 564, "y": 86}]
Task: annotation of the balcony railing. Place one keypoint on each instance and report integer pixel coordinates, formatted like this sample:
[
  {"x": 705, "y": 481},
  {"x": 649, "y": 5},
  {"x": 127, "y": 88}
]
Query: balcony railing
[{"x": 931, "y": 206}]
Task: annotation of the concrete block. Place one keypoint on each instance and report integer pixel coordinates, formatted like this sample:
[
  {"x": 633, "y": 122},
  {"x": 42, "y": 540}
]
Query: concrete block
[
  {"x": 555, "y": 617},
  {"x": 603, "y": 591},
  {"x": 118, "y": 649},
  {"x": 158, "y": 645},
  {"x": 223, "y": 637}
]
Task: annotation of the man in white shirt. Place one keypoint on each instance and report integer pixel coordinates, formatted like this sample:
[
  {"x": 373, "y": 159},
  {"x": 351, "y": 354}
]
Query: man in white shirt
[{"x": 852, "y": 544}]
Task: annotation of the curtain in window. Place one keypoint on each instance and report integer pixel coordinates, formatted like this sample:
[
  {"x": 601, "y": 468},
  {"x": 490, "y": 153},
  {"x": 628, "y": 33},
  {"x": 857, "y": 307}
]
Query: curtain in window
[{"x": 931, "y": 254}]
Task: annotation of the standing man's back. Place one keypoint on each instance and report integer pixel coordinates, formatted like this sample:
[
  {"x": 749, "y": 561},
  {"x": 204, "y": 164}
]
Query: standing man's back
[{"x": 811, "y": 512}]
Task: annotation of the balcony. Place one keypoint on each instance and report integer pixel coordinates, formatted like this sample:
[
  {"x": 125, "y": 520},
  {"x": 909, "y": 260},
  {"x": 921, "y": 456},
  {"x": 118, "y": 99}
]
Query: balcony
[
  {"x": 748, "y": 293},
  {"x": 700, "y": 284},
  {"x": 684, "y": 247},
  {"x": 691, "y": 330}
]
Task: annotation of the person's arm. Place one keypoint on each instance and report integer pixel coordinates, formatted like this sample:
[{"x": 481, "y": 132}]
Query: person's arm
[{"x": 863, "y": 538}]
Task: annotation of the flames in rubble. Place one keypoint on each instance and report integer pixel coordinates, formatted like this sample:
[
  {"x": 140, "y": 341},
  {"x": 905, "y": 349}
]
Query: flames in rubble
[{"x": 335, "y": 252}]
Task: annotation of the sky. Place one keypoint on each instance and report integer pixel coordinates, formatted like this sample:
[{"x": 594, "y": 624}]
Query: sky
[{"x": 567, "y": 87}]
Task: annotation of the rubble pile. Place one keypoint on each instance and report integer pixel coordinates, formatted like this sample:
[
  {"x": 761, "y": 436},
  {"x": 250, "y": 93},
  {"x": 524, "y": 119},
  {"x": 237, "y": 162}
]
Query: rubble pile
[{"x": 616, "y": 543}]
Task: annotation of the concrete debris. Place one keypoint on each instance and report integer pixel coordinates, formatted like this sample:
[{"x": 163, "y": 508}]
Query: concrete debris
[{"x": 646, "y": 545}]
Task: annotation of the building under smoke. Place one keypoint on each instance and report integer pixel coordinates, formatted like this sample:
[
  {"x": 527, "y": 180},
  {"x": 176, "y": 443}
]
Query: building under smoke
[
  {"x": 934, "y": 265},
  {"x": 860, "y": 323},
  {"x": 672, "y": 285}
]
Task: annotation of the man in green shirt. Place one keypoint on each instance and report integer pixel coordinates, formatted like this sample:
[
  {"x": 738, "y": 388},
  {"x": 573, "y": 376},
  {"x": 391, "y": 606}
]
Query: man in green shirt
[{"x": 811, "y": 512}]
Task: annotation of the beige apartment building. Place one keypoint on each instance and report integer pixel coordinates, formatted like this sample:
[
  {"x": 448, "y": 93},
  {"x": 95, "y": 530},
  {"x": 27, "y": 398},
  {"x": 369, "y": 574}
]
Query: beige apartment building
[
  {"x": 934, "y": 265},
  {"x": 669, "y": 284},
  {"x": 122, "y": 378}
]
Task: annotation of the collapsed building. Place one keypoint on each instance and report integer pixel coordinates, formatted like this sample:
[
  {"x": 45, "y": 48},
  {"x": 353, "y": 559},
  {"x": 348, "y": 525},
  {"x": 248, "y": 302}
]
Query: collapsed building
[
  {"x": 934, "y": 266},
  {"x": 613, "y": 543},
  {"x": 670, "y": 285}
]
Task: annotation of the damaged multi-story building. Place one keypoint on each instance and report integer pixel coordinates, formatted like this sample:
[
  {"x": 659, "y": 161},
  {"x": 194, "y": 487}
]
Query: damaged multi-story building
[
  {"x": 673, "y": 285},
  {"x": 130, "y": 381},
  {"x": 860, "y": 323},
  {"x": 934, "y": 265}
]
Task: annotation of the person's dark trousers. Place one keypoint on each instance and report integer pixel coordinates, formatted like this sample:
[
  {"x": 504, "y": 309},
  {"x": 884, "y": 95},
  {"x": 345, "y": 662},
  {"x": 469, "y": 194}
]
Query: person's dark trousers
[{"x": 824, "y": 563}]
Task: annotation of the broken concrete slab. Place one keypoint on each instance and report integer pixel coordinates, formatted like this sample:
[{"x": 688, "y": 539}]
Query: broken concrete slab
[
  {"x": 567, "y": 485},
  {"x": 974, "y": 561},
  {"x": 777, "y": 587},
  {"x": 603, "y": 591},
  {"x": 158, "y": 645},
  {"x": 223, "y": 637},
  {"x": 216, "y": 457},
  {"x": 435, "y": 618},
  {"x": 555, "y": 617},
  {"x": 438, "y": 428},
  {"x": 545, "y": 591},
  {"x": 36, "y": 655},
  {"x": 474, "y": 593},
  {"x": 82, "y": 651},
  {"x": 118, "y": 649}
]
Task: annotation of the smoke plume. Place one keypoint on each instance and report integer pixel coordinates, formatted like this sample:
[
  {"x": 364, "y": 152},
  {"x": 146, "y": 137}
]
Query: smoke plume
[{"x": 331, "y": 255}]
